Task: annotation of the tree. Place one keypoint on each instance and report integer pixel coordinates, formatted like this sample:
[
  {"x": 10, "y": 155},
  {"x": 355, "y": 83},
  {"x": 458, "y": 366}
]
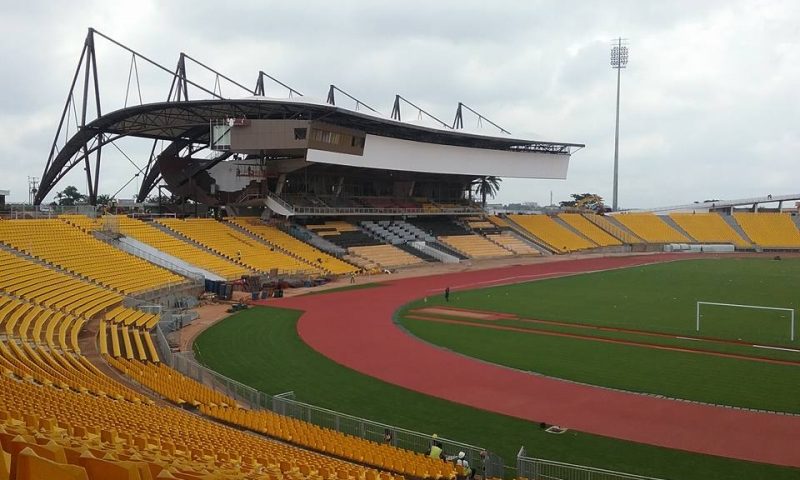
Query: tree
[
  {"x": 166, "y": 199},
  {"x": 104, "y": 199},
  {"x": 70, "y": 196},
  {"x": 487, "y": 187},
  {"x": 587, "y": 201}
]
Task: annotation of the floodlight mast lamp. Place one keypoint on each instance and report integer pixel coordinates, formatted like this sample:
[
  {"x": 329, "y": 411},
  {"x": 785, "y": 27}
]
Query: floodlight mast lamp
[{"x": 619, "y": 59}]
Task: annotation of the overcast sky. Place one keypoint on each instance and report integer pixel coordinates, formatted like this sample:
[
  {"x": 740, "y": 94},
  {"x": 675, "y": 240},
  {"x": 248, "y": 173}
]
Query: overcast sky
[{"x": 710, "y": 103}]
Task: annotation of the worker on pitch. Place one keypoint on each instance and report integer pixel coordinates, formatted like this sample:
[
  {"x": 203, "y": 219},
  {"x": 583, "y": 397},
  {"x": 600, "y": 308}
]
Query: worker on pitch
[{"x": 447, "y": 294}]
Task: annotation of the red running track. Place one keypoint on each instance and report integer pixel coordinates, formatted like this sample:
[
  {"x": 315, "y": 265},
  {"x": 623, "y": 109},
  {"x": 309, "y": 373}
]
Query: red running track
[{"x": 356, "y": 329}]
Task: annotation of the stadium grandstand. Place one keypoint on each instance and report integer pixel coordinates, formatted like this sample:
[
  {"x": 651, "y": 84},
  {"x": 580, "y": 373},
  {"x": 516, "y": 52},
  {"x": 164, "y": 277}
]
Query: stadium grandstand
[{"x": 301, "y": 192}]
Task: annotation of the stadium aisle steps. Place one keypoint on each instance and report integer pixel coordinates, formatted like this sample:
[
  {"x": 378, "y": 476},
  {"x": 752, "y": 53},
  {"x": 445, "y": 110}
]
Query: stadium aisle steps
[
  {"x": 375, "y": 253},
  {"x": 708, "y": 228},
  {"x": 387, "y": 256},
  {"x": 651, "y": 228},
  {"x": 475, "y": 246},
  {"x": 552, "y": 234},
  {"x": 417, "y": 253},
  {"x": 237, "y": 246},
  {"x": 292, "y": 246},
  {"x": 175, "y": 246},
  {"x": 734, "y": 225},
  {"x": 674, "y": 225},
  {"x": 589, "y": 229},
  {"x": 513, "y": 243},
  {"x": 117, "y": 426},
  {"x": 614, "y": 228},
  {"x": 60, "y": 415},
  {"x": 68, "y": 248}
]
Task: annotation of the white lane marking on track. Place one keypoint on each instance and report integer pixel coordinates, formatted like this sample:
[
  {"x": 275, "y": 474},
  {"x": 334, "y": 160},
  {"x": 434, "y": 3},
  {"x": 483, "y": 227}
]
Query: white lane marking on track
[
  {"x": 777, "y": 348},
  {"x": 500, "y": 280}
]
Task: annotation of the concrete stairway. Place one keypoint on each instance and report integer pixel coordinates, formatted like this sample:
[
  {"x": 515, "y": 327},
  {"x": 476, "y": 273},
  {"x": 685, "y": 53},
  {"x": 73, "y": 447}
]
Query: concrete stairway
[
  {"x": 669, "y": 221},
  {"x": 731, "y": 221}
]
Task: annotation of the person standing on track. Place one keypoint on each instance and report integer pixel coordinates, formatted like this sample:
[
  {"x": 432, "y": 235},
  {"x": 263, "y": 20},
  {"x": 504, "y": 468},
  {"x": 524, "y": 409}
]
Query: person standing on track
[{"x": 447, "y": 294}]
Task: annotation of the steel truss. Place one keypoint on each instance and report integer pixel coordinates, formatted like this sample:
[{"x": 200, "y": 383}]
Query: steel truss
[
  {"x": 179, "y": 126},
  {"x": 83, "y": 106}
]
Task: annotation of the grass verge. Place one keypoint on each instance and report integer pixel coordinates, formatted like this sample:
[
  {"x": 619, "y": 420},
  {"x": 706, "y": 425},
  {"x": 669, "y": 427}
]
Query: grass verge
[{"x": 260, "y": 347}]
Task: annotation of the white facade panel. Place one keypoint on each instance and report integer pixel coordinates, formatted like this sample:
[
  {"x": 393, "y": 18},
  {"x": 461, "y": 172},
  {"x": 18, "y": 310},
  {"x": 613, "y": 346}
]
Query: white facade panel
[{"x": 395, "y": 154}]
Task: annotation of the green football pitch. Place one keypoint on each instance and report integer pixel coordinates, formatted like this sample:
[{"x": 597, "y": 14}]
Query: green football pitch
[
  {"x": 261, "y": 348},
  {"x": 647, "y": 341}
]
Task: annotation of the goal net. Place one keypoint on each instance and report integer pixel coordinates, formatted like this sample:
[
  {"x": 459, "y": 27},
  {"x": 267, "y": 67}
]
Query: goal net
[{"x": 745, "y": 322}]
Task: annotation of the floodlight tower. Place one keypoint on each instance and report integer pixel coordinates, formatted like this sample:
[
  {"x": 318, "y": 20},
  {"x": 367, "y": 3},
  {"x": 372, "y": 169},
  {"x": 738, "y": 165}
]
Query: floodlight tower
[{"x": 619, "y": 59}]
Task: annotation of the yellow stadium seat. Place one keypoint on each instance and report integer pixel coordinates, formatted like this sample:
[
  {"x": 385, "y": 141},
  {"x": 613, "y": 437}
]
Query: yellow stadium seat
[
  {"x": 287, "y": 243},
  {"x": 475, "y": 246},
  {"x": 109, "y": 470},
  {"x": 172, "y": 245},
  {"x": 651, "y": 228},
  {"x": 387, "y": 256},
  {"x": 708, "y": 228},
  {"x": 589, "y": 229},
  {"x": 770, "y": 230},
  {"x": 64, "y": 246},
  {"x": 238, "y": 247},
  {"x": 555, "y": 236},
  {"x": 33, "y": 467},
  {"x": 512, "y": 243},
  {"x": 62, "y": 417}
]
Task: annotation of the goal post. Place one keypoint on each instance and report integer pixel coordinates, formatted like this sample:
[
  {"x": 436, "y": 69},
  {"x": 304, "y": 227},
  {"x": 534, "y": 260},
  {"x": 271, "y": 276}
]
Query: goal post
[{"x": 698, "y": 314}]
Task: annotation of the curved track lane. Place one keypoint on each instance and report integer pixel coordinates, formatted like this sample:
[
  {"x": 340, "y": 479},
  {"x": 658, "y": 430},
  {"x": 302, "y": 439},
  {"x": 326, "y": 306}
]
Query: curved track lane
[{"x": 356, "y": 329}]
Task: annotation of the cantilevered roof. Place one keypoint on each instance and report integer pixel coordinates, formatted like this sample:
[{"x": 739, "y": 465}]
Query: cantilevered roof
[
  {"x": 171, "y": 121},
  {"x": 185, "y": 122}
]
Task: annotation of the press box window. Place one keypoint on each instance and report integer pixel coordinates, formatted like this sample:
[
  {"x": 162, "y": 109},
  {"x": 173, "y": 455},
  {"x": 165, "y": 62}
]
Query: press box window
[
  {"x": 300, "y": 133},
  {"x": 220, "y": 137}
]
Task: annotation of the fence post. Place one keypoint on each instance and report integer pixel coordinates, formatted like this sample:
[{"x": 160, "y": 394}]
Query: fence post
[{"x": 520, "y": 470}]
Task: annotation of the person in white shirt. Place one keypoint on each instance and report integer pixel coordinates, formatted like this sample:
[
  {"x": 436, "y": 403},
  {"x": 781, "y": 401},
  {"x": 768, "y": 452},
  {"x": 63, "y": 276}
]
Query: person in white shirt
[{"x": 460, "y": 460}]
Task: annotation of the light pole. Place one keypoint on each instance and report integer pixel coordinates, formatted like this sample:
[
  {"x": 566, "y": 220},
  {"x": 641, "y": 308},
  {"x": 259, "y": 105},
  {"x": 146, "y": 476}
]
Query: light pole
[{"x": 619, "y": 58}]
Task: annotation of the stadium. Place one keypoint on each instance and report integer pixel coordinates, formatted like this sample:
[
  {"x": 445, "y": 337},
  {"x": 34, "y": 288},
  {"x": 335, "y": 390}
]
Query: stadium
[{"x": 324, "y": 295}]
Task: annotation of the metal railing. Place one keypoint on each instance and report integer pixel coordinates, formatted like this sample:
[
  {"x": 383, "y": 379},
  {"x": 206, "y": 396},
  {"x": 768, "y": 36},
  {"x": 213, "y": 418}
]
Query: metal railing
[
  {"x": 25, "y": 210},
  {"x": 174, "y": 321},
  {"x": 605, "y": 224},
  {"x": 488, "y": 463},
  {"x": 245, "y": 395},
  {"x": 162, "y": 345},
  {"x": 437, "y": 254},
  {"x": 281, "y": 201},
  {"x": 194, "y": 277},
  {"x": 312, "y": 238},
  {"x": 539, "y": 469},
  {"x": 383, "y": 211}
]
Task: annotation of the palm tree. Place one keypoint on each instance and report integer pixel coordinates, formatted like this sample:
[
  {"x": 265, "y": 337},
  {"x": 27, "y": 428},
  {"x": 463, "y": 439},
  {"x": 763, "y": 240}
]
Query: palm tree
[{"x": 487, "y": 186}]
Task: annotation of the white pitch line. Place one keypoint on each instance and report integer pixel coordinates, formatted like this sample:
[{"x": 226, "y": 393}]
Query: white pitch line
[
  {"x": 690, "y": 338},
  {"x": 777, "y": 348},
  {"x": 500, "y": 280}
]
